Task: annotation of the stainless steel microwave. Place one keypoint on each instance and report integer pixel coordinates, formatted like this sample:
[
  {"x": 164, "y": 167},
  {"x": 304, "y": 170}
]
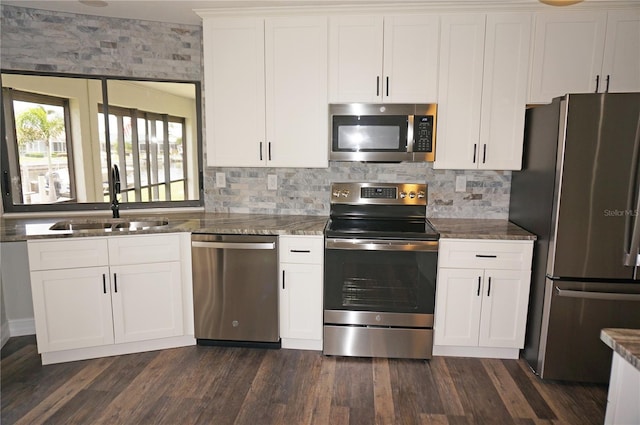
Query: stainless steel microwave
[{"x": 382, "y": 133}]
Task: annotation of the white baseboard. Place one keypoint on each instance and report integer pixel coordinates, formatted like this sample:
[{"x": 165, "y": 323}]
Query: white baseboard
[
  {"x": 302, "y": 344},
  {"x": 21, "y": 327},
  {"x": 5, "y": 334},
  {"x": 116, "y": 349},
  {"x": 17, "y": 327},
  {"x": 478, "y": 352}
]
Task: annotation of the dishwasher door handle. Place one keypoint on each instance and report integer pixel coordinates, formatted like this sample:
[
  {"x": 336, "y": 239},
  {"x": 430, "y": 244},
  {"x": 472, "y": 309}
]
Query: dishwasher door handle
[{"x": 234, "y": 245}]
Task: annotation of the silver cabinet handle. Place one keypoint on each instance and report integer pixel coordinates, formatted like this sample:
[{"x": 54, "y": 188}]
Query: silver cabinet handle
[
  {"x": 234, "y": 245},
  {"x": 597, "y": 295}
]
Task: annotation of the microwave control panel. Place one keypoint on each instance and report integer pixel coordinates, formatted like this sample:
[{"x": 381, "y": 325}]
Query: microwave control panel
[{"x": 423, "y": 133}]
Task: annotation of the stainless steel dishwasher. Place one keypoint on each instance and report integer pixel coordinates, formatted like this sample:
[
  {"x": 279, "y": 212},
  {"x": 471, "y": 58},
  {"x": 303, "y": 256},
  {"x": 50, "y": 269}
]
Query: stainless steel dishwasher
[{"x": 235, "y": 289}]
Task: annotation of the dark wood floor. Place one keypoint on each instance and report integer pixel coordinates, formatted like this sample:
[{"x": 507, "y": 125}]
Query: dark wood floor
[{"x": 216, "y": 385}]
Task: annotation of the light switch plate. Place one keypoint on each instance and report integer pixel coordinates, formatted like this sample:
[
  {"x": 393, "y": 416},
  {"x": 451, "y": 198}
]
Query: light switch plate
[
  {"x": 221, "y": 180},
  {"x": 272, "y": 181},
  {"x": 461, "y": 183}
]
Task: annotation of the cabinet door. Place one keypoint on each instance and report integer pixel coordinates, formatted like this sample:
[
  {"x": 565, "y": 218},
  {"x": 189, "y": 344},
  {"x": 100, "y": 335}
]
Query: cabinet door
[
  {"x": 411, "y": 47},
  {"x": 235, "y": 91},
  {"x": 567, "y": 54},
  {"x": 296, "y": 92},
  {"x": 147, "y": 301},
  {"x": 460, "y": 91},
  {"x": 301, "y": 301},
  {"x": 504, "y": 91},
  {"x": 621, "y": 63},
  {"x": 355, "y": 59},
  {"x": 72, "y": 308},
  {"x": 505, "y": 297},
  {"x": 458, "y": 303}
]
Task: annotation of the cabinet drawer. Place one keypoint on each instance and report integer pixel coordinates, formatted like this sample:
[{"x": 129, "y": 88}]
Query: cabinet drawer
[
  {"x": 68, "y": 253},
  {"x": 144, "y": 249},
  {"x": 485, "y": 254},
  {"x": 301, "y": 249}
]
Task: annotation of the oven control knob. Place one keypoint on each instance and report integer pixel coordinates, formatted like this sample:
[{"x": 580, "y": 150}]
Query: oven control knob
[
  {"x": 421, "y": 194},
  {"x": 403, "y": 195},
  {"x": 345, "y": 193},
  {"x": 412, "y": 195},
  {"x": 336, "y": 193},
  {"x": 378, "y": 318}
]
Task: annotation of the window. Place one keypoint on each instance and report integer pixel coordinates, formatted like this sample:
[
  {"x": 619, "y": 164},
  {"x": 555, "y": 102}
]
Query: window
[
  {"x": 39, "y": 147},
  {"x": 152, "y": 132},
  {"x": 149, "y": 151}
]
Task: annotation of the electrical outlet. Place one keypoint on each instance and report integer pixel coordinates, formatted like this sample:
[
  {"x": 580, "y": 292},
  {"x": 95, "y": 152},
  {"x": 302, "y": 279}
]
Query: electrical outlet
[
  {"x": 272, "y": 182},
  {"x": 221, "y": 180},
  {"x": 461, "y": 183}
]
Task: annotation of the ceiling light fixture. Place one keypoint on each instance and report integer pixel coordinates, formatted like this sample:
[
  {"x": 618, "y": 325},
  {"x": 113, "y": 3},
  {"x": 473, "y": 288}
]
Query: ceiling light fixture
[
  {"x": 560, "y": 2},
  {"x": 94, "y": 3}
]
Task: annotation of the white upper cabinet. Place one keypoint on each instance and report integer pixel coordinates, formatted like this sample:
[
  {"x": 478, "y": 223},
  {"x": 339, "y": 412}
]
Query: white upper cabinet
[
  {"x": 296, "y": 75},
  {"x": 383, "y": 59},
  {"x": 621, "y": 61},
  {"x": 585, "y": 52},
  {"x": 266, "y": 91},
  {"x": 484, "y": 68},
  {"x": 234, "y": 91}
]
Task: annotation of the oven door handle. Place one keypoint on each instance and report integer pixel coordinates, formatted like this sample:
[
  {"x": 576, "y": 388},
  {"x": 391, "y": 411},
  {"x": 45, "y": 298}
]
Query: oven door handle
[{"x": 381, "y": 245}]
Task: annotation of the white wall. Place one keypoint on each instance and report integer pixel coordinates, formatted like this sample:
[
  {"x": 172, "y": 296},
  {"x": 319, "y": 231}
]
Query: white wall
[{"x": 17, "y": 307}]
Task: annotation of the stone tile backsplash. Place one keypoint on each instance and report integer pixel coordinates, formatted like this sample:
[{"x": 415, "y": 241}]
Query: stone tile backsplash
[
  {"x": 38, "y": 40},
  {"x": 306, "y": 190}
]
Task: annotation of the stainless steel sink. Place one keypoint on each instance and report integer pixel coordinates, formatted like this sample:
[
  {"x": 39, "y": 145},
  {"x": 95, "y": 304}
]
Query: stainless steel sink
[{"x": 110, "y": 224}]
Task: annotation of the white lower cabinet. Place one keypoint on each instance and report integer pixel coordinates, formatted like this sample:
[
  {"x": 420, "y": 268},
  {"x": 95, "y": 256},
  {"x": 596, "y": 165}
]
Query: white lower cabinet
[
  {"x": 72, "y": 308},
  {"x": 301, "y": 274},
  {"x": 148, "y": 301},
  {"x": 623, "y": 398},
  {"x": 104, "y": 305},
  {"x": 482, "y": 297}
]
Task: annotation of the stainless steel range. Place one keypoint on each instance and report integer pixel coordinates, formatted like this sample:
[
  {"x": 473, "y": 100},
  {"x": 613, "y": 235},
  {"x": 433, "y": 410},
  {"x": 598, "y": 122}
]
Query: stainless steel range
[{"x": 381, "y": 255}]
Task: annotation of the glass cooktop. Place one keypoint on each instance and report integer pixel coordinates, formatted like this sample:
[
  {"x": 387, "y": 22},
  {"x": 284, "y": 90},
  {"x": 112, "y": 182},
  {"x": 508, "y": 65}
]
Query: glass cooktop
[{"x": 420, "y": 229}]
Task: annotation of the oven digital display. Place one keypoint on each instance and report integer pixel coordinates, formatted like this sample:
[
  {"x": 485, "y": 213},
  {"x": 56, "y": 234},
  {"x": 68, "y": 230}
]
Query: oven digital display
[{"x": 378, "y": 192}]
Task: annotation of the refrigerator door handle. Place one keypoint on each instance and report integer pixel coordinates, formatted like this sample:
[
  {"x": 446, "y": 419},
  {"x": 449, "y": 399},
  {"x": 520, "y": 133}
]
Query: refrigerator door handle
[
  {"x": 597, "y": 295},
  {"x": 632, "y": 231}
]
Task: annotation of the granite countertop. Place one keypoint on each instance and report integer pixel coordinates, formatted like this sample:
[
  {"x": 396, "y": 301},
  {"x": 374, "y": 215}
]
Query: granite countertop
[
  {"x": 625, "y": 342},
  {"x": 20, "y": 229},
  {"x": 472, "y": 228}
]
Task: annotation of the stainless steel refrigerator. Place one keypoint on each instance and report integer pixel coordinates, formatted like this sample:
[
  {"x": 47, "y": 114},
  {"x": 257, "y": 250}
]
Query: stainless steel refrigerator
[{"x": 579, "y": 192}]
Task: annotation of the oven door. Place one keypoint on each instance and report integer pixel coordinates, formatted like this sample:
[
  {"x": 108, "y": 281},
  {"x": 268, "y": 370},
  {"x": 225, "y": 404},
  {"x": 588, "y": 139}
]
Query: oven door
[{"x": 380, "y": 282}]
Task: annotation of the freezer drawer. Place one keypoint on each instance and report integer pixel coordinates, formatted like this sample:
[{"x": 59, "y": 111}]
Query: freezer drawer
[
  {"x": 575, "y": 313},
  {"x": 235, "y": 289}
]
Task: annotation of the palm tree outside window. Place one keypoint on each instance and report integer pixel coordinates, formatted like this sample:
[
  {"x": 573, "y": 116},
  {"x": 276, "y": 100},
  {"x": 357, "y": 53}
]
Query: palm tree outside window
[{"x": 40, "y": 148}]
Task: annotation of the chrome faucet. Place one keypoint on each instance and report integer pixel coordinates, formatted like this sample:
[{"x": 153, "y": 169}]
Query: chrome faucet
[{"x": 115, "y": 180}]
